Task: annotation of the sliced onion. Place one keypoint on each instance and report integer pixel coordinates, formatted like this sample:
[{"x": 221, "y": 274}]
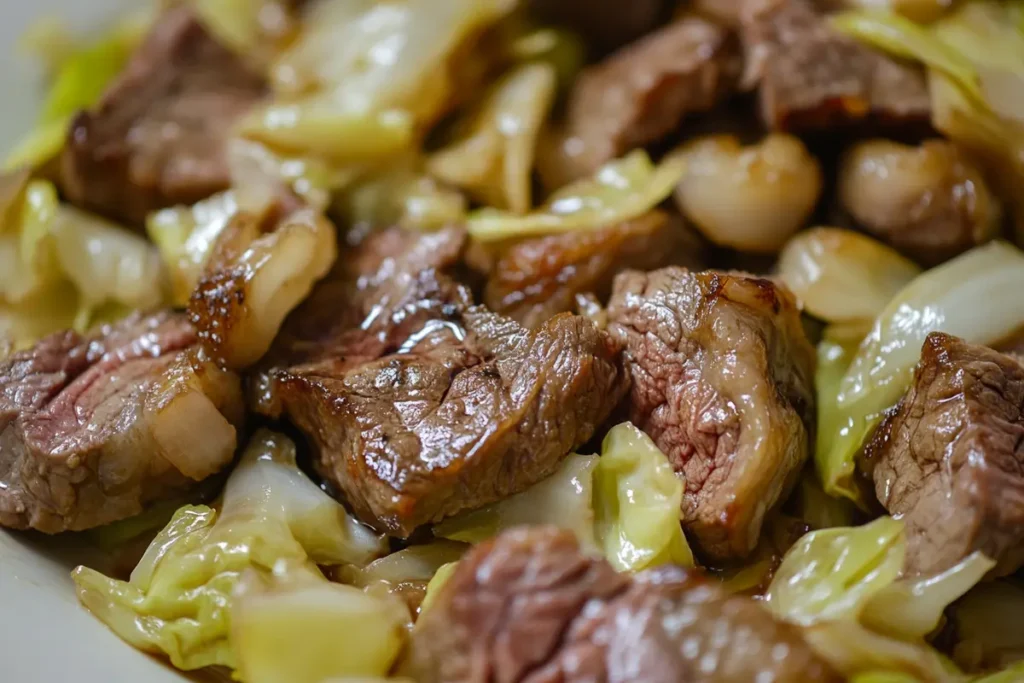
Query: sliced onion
[{"x": 843, "y": 276}]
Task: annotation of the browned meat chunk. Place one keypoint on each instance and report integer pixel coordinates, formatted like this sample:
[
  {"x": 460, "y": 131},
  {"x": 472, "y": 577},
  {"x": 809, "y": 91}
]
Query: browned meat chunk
[
  {"x": 157, "y": 136},
  {"x": 812, "y": 77},
  {"x": 950, "y": 458},
  {"x": 605, "y": 24},
  {"x": 94, "y": 428},
  {"x": 641, "y": 94},
  {"x": 538, "y": 278},
  {"x": 723, "y": 382},
  {"x": 529, "y": 606},
  {"x": 930, "y": 202},
  {"x": 429, "y": 406}
]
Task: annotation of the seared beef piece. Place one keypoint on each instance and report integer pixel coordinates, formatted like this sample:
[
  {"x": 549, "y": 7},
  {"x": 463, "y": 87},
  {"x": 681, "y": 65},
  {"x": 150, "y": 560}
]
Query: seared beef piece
[
  {"x": 722, "y": 380},
  {"x": 530, "y": 606},
  {"x": 157, "y": 136},
  {"x": 368, "y": 283},
  {"x": 641, "y": 94},
  {"x": 812, "y": 77},
  {"x": 428, "y": 406},
  {"x": 538, "y": 278},
  {"x": 94, "y": 428},
  {"x": 950, "y": 457},
  {"x": 605, "y": 24}
]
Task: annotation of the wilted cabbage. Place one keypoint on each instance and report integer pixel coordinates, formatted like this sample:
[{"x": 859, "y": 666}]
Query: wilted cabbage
[
  {"x": 842, "y": 587},
  {"x": 185, "y": 236},
  {"x": 943, "y": 299},
  {"x": 61, "y": 267},
  {"x": 364, "y": 78},
  {"x": 841, "y": 275},
  {"x": 402, "y": 194},
  {"x": 1013, "y": 674},
  {"x": 78, "y": 83},
  {"x": 441, "y": 576},
  {"x": 492, "y": 159},
  {"x": 637, "y": 499},
  {"x": 565, "y": 498},
  {"x": 975, "y": 58},
  {"x": 258, "y": 175},
  {"x": 620, "y": 190},
  {"x": 179, "y": 599},
  {"x": 818, "y": 509},
  {"x": 254, "y": 28},
  {"x": 625, "y": 503},
  {"x": 293, "y": 626}
]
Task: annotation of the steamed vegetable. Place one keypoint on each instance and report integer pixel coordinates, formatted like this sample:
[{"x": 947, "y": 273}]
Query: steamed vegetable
[
  {"x": 364, "y": 78},
  {"x": 565, "y": 498},
  {"x": 842, "y": 587},
  {"x": 638, "y": 497},
  {"x": 975, "y": 57},
  {"x": 841, "y": 275},
  {"x": 621, "y": 190},
  {"x": 185, "y": 236},
  {"x": 493, "y": 159},
  {"x": 79, "y": 81},
  {"x": 625, "y": 503},
  {"x": 943, "y": 299},
  {"x": 179, "y": 599},
  {"x": 296, "y": 627}
]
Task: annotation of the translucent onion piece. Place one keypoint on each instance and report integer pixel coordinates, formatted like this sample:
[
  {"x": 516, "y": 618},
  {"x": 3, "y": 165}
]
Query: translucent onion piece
[
  {"x": 832, "y": 573},
  {"x": 638, "y": 497},
  {"x": 440, "y": 578},
  {"x": 750, "y": 198},
  {"x": 841, "y": 275},
  {"x": 943, "y": 299},
  {"x": 564, "y": 499},
  {"x": 621, "y": 190},
  {"x": 493, "y": 162}
]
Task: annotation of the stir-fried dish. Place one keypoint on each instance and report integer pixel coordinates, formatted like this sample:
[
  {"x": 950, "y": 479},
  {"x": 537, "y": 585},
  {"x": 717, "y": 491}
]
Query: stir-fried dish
[{"x": 529, "y": 340}]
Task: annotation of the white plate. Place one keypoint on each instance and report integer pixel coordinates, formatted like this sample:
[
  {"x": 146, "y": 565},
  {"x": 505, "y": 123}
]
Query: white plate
[{"x": 45, "y": 636}]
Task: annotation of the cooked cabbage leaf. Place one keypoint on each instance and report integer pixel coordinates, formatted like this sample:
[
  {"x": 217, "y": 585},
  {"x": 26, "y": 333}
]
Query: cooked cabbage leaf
[
  {"x": 437, "y": 582},
  {"x": 625, "y": 503},
  {"x": 986, "y": 624},
  {"x": 1013, "y": 674},
  {"x": 296, "y": 627},
  {"x": 637, "y": 499},
  {"x": 942, "y": 299},
  {"x": 78, "y": 83},
  {"x": 842, "y": 587},
  {"x": 493, "y": 159},
  {"x": 178, "y": 600},
  {"x": 185, "y": 236},
  {"x": 620, "y": 190},
  {"x": 565, "y": 498}
]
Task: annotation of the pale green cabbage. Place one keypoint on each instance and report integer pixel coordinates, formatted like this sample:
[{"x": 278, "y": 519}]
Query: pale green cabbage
[
  {"x": 637, "y": 500},
  {"x": 942, "y": 299},
  {"x": 621, "y": 190},
  {"x": 975, "y": 58},
  {"x": 78, "y": 83},
  {"x": 185, "y": 236},
  {"x": 179, "y": 599},
  {"x": 364, "y": 79},
  {"x": 625, "y": 503},
  {"x": 294, "y": 626},
  {"x": 493, "y": 159},
  {"x": 842, "y": 587},
  {"x": 565, "y": 498},
  {"x": 437, "y": 582},
  {"x": 401, "y": 194}
]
